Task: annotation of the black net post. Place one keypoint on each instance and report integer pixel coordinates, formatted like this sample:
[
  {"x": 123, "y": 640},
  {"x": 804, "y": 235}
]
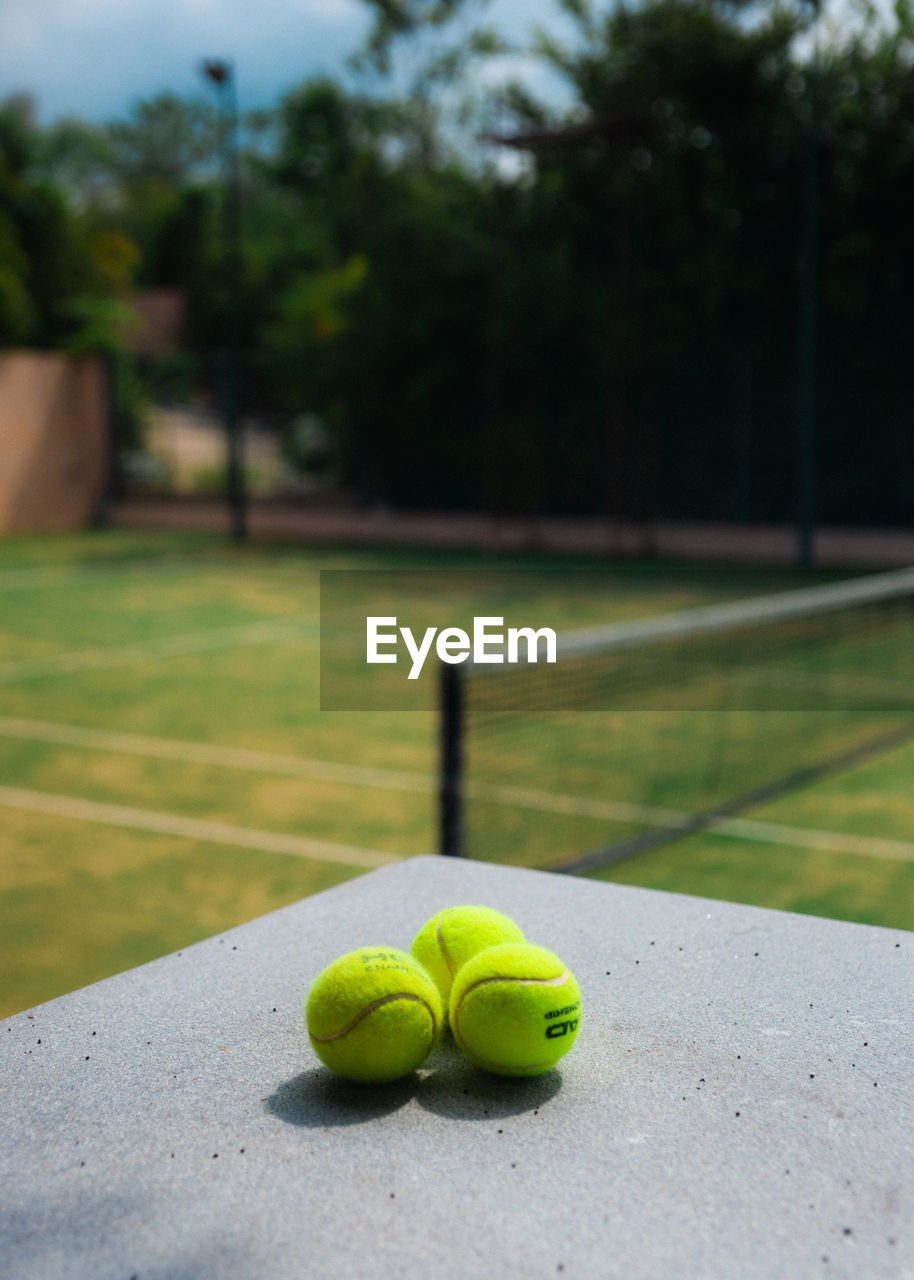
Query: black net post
[
  {"x": 807, "y": 320},
  {"x": 450, "y": 791}
]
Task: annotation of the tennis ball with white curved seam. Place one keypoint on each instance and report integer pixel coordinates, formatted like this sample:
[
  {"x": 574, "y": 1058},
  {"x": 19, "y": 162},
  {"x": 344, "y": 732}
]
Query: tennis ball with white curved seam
[
  {"x": 445, "y": 943},
  {"x": 373, "y": 1015},
  {"x": 515, "y": 1009}
]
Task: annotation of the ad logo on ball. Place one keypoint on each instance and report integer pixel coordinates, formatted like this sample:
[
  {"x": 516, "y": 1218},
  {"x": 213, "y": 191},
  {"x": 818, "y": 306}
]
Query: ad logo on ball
[
  {"x": 570, "y": 1025},
  {"x": 560, "y": 1029}
]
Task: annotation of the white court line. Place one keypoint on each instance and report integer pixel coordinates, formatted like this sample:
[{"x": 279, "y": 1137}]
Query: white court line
[
  {"x": 425, "y": 784},
  {"x": 741, "y": 828},
  {"x": 224, "y": 757},
  {"x": 805, "y": 838},
  {"x": 164, "y": 646},
  {"x": 580, "y": 806},
  {"x": 59, "y": 575},
  {"x": 327, "y": 771},
  {"x": 175, "y": 824}
]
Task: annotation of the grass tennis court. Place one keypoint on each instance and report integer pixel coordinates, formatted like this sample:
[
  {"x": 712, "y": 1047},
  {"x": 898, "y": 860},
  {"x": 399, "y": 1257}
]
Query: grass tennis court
[{"x": 166, "y": 771}]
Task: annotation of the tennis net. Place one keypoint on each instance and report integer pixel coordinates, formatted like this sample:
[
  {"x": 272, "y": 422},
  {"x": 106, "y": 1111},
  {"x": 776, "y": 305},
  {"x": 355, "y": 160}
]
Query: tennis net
[{"x": 644, "y": 731}]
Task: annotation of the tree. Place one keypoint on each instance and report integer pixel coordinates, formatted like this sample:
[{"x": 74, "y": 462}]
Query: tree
[
  {"x": 377, "y": 318},
  {"x": 166, "y": 140},
  {"x": 46, "y": 258}
]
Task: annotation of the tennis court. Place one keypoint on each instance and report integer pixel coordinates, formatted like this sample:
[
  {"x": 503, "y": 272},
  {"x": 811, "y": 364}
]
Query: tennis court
[{"x": 166, "y": 770}]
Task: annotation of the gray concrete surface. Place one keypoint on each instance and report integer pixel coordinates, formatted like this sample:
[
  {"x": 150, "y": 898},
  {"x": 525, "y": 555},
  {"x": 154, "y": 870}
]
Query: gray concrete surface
[{"x": 739, "y": 1104}]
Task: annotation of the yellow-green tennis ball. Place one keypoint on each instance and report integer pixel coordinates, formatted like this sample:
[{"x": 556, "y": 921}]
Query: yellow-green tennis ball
[
  {"x": 515, "y": 1009},
  {"x": 373, "y": 1015},
  {"x": 445, "y": 943}
]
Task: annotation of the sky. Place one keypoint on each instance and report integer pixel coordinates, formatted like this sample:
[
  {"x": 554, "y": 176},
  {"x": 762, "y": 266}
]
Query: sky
[{"x": 94, "y": 58}]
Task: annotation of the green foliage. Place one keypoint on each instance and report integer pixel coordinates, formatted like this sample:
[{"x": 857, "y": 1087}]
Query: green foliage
[
  {"x": 523, "y": 343},
  {"x": 378, "y": 329},
  {"x": 17, "y": 312},
  {"x": 652, "y": 255},
  {"x": 63, "y": 271},
  {"x": 166, "y": 140},
  {"x": 308, "y": 448},
  {"x": 78, "y": 158},
  {"x": 38, "y": 256},
  {"x": 395, "y": 19},
  {"x": 168, "y": 379},
  {"x": 315, "y": 308},
  {"x": 686, "y": 159},
  {"x": 98, "y": 325}
]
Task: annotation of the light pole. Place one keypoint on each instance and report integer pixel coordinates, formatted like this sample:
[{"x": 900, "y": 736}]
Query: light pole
[
  {"x": 222, "y": 76},
  {"x": 807, "y": 317}
]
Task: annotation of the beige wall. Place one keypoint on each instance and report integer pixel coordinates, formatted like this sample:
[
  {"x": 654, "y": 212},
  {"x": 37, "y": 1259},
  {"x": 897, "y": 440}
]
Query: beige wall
[{"x": 52, "y": 440}]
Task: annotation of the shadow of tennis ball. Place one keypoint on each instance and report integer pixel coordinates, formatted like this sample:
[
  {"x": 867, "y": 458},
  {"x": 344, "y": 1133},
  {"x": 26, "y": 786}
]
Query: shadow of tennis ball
[
  {"x": 454, "y": 1088},
  {"x": 318, "y": 1099}
]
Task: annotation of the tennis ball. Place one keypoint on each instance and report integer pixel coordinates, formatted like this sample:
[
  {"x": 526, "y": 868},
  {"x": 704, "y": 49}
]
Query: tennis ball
[
  {"x": 373, "y": 1015},
  {"x": 515, "y": 1009},
  {"x": 445, "y": 943}
]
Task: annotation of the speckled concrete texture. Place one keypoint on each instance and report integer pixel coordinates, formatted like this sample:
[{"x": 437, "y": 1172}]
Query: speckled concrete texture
[{"x": 739, "y": 1104}]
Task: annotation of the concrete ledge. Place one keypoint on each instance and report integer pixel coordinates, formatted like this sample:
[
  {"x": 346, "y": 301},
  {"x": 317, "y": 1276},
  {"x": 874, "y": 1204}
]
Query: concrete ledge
[{"x": 740, "y": 1104}]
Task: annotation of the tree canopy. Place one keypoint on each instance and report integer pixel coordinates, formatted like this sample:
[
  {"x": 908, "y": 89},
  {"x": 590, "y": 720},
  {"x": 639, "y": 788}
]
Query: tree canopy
[{"x": 608, "y": 327}]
